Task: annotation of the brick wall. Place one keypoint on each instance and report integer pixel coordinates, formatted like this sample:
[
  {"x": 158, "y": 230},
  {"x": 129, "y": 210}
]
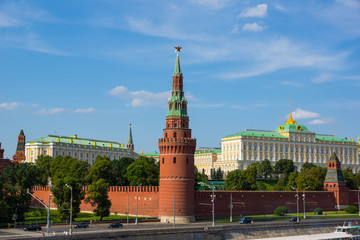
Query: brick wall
[{"x": 244, "y": 202}]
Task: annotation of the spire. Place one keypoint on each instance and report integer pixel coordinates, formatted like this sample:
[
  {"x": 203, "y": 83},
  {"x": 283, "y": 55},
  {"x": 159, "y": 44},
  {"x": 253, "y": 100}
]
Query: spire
[
  {"x": 177, "y": 70},
  {"x": 21, "y": 132},
  {"x": 291, "y": 120},
  {"x": 130, "y": 144}
]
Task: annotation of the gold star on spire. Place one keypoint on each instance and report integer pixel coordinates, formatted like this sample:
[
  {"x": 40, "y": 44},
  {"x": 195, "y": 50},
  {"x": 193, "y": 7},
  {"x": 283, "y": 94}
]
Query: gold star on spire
[{"x": 177, "y": 48}]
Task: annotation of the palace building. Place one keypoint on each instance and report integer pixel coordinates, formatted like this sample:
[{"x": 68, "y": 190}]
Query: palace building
[
  {"x": 289, "y": 141},
  {"x": 79, "y": 148}
]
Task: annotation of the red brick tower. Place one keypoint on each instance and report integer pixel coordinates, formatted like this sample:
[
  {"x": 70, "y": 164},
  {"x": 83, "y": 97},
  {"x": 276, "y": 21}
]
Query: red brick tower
[
  {"x": 335, "y": 182},
  {"x": 177, "y": 157},
  {"x": 20, "y": 151}
]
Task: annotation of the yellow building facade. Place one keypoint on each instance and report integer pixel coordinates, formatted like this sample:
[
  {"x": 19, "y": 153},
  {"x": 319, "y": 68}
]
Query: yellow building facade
[
  {"x": 289, "y": 141},
  {"x": 79, "y": 148}
]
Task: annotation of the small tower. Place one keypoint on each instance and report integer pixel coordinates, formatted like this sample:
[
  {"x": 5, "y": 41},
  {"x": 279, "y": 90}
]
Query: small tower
[
  {"x": 20, "y": 151},
  {"x": 130, "y": 144},
  {"x": 334, "y": 181},
  {"x": 177, "y": 147}
]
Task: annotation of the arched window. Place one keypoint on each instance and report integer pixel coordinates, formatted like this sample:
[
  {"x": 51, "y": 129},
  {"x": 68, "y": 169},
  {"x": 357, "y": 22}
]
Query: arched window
[
  {"x": 175, "y": 124},
  {"x": 174, "y": 160},
  {"x": 174, "y": 134},
  {"x": 165, "y": 135},
  {"x": 163, "y": 160}
]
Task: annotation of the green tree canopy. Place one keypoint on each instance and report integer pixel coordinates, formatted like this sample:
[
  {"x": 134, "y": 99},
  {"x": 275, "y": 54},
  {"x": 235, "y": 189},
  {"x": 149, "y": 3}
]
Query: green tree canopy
[
  {"x": 312, "y": 179},
  {"x": 284, "y": 167},
  {"x": 44, "y": 164},
  {"x": 97, "y": 196},
  {"x": 118, "y": 170},
  {"x": 143, "y": 171},
  {"x": 307, "y": 166},
  {"x": 101, "y": 169},
  {"x": 240, "y": 180},
  {"x": 266, "y": 168},
  {"x": 349, "y": 178},
  {"x": 255, "y": 170},
  {"x": 292, "y": 181},
  {"x": 199, "y": 177}
]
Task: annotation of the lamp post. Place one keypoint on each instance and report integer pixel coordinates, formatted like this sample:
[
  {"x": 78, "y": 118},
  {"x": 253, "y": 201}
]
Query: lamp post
[
  {"x": 137, "y": 204},
  {"x": 304, "y": 200},
  {"x": 47, "y": 207},
  {"x": 174, "y": 212},
  {"x": 358, "y": 203},
  {"x": 213, "y": 204},
  {"x": 297, "y": 203},
  {"x": 71, "y": 202}
]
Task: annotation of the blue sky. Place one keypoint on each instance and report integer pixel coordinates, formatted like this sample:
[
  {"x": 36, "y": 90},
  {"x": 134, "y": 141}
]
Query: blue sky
[{"x": 92, "y": 67}]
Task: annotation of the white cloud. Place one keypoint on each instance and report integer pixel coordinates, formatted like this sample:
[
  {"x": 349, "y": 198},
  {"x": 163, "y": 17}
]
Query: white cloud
[
  {"x": 140, "y": 98},
  {"x": 84, "y": 110},
  {"x": 51, "y": 111},
  {"x": 9, "y": 106},
  {"x": 212, "y": 4},
  {"x": 252, "y": 27},
  {"x": 292, "y": 84},
  {"x": 303, "y": 114},
  {"x": 322, "y": 121},
  {"x": 259, "y": 11},
  {"x": 235, "y": 29},
  {"x": 280, "y": 7},
  {"x": 327, "y": 77}
]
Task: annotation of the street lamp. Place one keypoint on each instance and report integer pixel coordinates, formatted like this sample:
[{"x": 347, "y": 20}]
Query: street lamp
[
  {"x": 304, "y": 200},
  {"x": 297, "y": 203},
  {"x": 213, "y": 204},
  {"x": 47, "y": 207},
  {"x": 137, "y": 203},
  {"x": 358, "y": 203},
  {"x": 71, "y": 201}
]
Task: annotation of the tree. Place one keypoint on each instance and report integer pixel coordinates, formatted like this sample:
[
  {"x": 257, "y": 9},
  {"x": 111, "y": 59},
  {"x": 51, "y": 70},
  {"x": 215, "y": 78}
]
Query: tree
[
  {"x": 19, "y": 179},
  {"x": 266, "y": 168},
  {"x": 349, "y": 178},
  {"x": 281, "y": 184},
  {"x": 143, "y": 171},
  {"x": 68, "y": 171},
  {"x": 255, "y": 170},
  {"x": 97, "y": 194},
  {"x": 292, "y": 181},
  {"x": 44, "y": 164},
  {"x": 307, "y": 166},
  {"x": 199, "y": 177},
  {"x": 98, "y": 197},
  {"x": 118, "y": 171},
  {"x": 217, "y": 174},
  {"x": 312, "y": 179},
  {"x": 284, "y": 167},
  {"x": 240, "y": 180}
]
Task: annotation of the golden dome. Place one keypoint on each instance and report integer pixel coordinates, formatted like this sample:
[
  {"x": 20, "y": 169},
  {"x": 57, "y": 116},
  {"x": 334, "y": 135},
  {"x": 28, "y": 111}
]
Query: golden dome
[{"x": 291, "y": 120}]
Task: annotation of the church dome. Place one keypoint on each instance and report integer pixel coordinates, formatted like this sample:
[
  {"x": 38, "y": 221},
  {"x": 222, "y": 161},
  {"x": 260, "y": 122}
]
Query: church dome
[{"x": 291, "y": 125}]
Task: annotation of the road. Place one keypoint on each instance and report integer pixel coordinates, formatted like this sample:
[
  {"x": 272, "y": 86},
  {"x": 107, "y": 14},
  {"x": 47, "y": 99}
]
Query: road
[{"x": 102, "y": 227}]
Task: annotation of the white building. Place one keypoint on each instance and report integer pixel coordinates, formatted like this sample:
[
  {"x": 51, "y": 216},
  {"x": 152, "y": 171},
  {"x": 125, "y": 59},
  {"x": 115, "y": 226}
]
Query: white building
[
  {"x": 289, "y": 141},
  {"x": 79, "y": 148}
]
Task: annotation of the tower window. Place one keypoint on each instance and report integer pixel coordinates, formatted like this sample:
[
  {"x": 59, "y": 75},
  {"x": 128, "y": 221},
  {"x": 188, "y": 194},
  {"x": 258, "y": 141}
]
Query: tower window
[
  {"x": 187, "y": 160},
  {"x": 163, "y": 160},
  {"x": 184, "y": 134},
  {"x": 174, "y": 134},
  {"x": 175, "y": 124},
  {"x": 174, "y": 160},
  {"x": 165, "y": 135}
]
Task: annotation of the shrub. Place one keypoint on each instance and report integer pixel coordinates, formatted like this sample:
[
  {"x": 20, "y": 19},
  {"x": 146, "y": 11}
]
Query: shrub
[
  {"x": 318, "y": 211},
  {"x": 281, "y": 211},
  {"x": 351, "y": 209}
]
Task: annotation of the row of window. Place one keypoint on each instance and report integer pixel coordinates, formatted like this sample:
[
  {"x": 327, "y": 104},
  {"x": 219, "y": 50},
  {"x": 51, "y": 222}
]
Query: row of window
[{"x": 174, "y": 160}]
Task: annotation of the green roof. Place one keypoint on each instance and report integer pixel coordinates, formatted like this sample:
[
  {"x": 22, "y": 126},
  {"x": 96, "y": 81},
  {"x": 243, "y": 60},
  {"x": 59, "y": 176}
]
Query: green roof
[
  {"x": 292, "y": 127},
  {"x": 177, "y": 70},
  {"x": 78, "y": 141},
  {"x": 150, "y": 154},
  {"x": 217, "y": 150},
  {"x": 253, "y": 133},
  {"x": 331, "y": 138}
]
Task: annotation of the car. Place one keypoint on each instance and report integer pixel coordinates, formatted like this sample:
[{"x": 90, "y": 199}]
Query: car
[
  {"x": 32, "y": 228},
  {"x": 246, "y": 220},
  {"x": 115, "y": 225},
  {"x": 82, "y": 225},
  {"x": 294, "y": 219}
]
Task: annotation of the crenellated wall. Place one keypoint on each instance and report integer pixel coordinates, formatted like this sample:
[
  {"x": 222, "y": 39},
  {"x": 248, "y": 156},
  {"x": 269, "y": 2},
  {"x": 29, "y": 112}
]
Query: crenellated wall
[{"x": 244, "y": 202}]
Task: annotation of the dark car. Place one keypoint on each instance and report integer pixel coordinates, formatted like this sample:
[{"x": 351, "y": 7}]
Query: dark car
[
  {"x": 32, "y": 228},
  {"x": 293, "y": 219},
  {"x": 82, "y": 225},
  {"x": 246, "y": 220},
  {"x": 115, "y": 225}
]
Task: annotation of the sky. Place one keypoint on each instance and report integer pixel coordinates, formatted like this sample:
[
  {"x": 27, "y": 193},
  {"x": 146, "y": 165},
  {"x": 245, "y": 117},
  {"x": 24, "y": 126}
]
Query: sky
[{"x": 93, "y": 67}]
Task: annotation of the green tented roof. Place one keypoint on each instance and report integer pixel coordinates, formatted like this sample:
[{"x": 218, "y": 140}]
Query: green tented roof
[
  {"x": 177, "y": 69},
  {"x": 257, "y": 134},
  {"x": 78, "y": 141}
]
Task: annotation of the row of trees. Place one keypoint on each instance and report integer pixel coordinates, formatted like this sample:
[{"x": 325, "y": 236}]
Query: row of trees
[
  {"x": 61, "y": 172},
  {"x": 286, "y": 175}
]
